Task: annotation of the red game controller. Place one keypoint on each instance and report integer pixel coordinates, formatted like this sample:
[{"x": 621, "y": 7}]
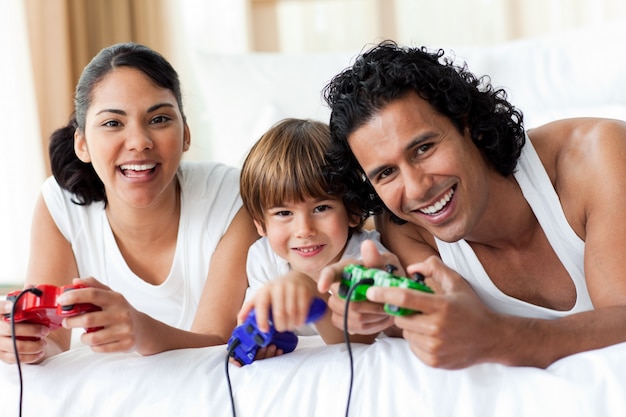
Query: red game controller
[{"x": 44, "y": 309}]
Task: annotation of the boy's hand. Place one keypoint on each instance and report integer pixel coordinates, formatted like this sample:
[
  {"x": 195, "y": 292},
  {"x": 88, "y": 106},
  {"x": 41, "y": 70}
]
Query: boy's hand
[
  {"x": 363, "y": 317},
  {"x": 267, "y": 352},
  {"x": 288, "y": 298}
]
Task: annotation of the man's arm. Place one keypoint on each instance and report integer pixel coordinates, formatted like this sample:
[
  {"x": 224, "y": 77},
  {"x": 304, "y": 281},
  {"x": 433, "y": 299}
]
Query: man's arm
[
  {"x": 586, "y": 159},
  {"x": 456, "y": 330}
]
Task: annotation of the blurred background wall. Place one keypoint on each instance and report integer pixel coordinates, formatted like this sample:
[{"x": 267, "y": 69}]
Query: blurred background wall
[{"x": 46, "y": 43}]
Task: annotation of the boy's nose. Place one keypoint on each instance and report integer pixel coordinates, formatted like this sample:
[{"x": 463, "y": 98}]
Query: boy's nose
[{"x": 305, "y": 227}]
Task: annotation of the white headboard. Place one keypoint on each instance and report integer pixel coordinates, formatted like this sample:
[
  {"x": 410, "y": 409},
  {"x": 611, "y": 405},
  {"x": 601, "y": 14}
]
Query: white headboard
[{"x": 575, "y": 73}]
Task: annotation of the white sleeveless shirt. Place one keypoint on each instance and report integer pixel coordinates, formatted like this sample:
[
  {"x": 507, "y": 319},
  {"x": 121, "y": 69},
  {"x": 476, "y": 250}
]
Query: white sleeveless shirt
[
  {"x": 569, "y": 248},
  {"x": 209, "y": 201}
]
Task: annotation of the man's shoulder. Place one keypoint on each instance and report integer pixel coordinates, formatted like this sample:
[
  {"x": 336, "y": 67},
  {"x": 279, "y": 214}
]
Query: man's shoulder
[
  {"x": 571, "y": 145},
  {"x": 585, "y": 159},
  {"x": 563, "y": 138}
]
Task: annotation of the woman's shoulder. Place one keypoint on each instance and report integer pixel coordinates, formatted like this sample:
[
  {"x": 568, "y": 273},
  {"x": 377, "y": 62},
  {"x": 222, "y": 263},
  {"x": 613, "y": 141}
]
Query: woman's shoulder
[
  {"x": 59, "y": 199},
  {"x": 207, "y": 175},
  {"x": 210, "y": 189},
  {"x": 205, "y": 168}
]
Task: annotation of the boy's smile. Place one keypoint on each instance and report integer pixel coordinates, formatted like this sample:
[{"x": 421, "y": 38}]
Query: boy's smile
[{"x": 309, "y": 234}]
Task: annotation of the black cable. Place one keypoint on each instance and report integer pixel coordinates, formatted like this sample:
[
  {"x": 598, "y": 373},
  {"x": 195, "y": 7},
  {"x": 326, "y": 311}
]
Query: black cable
[
  {"x": 231, "y": 349},
  {"x": 38, "y": 293},
  {"x": 346, "y": 335}
]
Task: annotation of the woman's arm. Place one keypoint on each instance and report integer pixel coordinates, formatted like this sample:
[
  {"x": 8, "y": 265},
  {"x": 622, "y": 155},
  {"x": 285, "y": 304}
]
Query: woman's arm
[
  {"x": 124, "y": 328},
  {"x": 51, "y": 262},
  {"x": 227, "y": 281}
]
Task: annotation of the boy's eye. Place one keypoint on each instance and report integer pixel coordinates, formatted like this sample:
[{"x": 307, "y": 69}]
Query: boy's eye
[
  {"x": 321, "y": 208},
  {"x": 282, "y": 213}
]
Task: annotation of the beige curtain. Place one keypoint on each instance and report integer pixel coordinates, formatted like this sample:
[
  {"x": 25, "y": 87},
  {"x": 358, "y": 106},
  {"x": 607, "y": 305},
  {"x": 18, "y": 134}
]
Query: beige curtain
[{"x": 65, "y": 34}]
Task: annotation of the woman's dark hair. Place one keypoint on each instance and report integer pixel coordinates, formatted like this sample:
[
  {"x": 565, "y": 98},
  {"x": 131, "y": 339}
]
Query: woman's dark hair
[
  {"x": 388, "y": 72},
  {"x": 70, "y": 172}
]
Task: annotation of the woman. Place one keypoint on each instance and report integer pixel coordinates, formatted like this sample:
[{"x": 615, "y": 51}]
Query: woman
[{"x": 160, "y": 243}]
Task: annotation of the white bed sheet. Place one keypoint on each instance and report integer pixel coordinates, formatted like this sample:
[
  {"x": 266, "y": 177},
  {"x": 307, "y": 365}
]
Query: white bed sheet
[{"x": 313, "y": 381}]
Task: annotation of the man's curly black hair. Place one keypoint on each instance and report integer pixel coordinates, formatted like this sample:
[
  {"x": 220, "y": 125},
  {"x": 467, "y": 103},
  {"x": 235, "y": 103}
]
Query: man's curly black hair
[{"x": 388, "y": 72}]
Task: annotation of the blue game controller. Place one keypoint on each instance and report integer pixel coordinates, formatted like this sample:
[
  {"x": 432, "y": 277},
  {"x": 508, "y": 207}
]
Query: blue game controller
[{"x": 247, "y": 338}]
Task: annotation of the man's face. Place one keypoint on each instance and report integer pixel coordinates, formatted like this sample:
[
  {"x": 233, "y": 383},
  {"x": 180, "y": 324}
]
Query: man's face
[{"x": 423, "y": 168}]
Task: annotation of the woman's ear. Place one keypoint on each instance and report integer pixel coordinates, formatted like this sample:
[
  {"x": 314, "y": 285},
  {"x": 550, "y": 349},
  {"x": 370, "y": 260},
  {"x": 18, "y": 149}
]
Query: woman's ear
[
  {"x": 80, "y": 146},
  {"x": 186, "y": 138}
]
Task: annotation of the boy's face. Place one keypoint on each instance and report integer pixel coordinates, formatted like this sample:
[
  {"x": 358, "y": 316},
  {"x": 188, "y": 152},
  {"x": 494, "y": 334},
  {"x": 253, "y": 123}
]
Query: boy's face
[{"x": 310, "y": 234}]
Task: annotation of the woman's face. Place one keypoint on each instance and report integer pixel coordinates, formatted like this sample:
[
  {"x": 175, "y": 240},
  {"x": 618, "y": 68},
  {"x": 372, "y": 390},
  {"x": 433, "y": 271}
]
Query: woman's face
[{"x": 134, "y": 137}]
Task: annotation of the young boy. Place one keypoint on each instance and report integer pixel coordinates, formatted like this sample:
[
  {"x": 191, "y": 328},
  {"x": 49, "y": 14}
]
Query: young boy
[{"x": 304, "y": 223}]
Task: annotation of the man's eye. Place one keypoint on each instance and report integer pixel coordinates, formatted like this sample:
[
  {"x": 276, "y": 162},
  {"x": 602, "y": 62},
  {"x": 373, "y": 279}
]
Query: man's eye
[
  {"x": 423, "y": 149},
  {"x": 385, "y": 173}
]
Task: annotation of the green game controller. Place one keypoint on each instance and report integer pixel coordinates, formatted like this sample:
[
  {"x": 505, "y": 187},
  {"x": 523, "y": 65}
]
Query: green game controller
[{"x": 361, "y": 278}]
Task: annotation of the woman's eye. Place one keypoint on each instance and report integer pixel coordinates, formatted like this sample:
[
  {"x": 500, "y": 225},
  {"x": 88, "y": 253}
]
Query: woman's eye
[
  {"x": 111, "y": 123},
  {"x": 159, "y": 119}
]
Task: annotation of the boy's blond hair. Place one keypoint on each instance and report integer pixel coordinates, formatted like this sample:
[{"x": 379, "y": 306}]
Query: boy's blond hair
[{"x": 287, "y": 165}]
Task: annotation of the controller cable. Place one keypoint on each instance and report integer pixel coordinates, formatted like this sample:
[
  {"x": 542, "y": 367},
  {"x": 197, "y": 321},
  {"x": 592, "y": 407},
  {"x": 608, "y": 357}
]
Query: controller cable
[
  {"x": 346, "y": 335},
  {"x": 231, "y": 350},
  {"x": 38, "y": 293}
]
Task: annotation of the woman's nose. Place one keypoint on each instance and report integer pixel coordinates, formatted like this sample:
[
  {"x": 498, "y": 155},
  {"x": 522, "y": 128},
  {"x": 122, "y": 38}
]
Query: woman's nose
[{"x": 138, "y": 138}]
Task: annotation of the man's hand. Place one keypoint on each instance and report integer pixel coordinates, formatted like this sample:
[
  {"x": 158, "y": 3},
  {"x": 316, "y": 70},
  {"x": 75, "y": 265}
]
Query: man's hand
[{"x": 454, "y": 329}]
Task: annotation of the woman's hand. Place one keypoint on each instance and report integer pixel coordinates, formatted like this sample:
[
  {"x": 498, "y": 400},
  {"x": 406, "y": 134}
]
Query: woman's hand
[
  {"x": 118, "y": 327},
  {"x": 31, "y": 339}
]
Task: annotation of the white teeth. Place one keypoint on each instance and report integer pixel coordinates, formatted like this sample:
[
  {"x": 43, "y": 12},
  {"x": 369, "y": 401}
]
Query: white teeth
[
  {"x": 307, "y": 250},
  {"x": 142, "y": 167},
  {"x": 439, "y": 204}
]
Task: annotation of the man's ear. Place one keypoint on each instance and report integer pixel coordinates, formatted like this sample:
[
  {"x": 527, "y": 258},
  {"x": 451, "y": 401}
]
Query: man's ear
[
  {"x": 260, "y": 228},
  {"x": 186, "y": 138},
  {"x": 80, "y": 146}
]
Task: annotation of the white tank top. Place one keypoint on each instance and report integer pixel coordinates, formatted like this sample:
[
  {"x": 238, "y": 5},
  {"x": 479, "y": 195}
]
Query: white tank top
[
  {"x": 209, "y": 201},
  {"x": 543, "y": 200}
]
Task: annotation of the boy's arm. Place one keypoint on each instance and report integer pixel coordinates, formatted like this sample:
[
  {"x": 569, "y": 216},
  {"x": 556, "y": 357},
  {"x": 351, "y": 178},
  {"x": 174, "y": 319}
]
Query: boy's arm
[{"x": 333, "y": 335}]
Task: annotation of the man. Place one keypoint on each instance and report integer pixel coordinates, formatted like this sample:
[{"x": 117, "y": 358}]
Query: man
[{"x": 520, "y": 235}]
